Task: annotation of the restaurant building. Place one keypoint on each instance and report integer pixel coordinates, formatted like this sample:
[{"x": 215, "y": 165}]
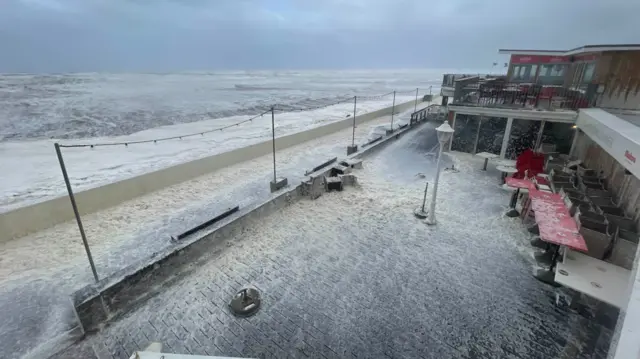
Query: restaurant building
[{"x": 584, "y": 102}]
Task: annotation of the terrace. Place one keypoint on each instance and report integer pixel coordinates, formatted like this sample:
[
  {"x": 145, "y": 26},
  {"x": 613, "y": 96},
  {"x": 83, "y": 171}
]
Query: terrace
[
  {"x": 354, "y": 274},
  {"x": 498, "y": 91}
]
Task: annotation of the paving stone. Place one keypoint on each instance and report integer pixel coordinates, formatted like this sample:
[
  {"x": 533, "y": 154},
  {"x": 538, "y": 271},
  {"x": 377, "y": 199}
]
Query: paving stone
[{"x": 354, "y": 274}]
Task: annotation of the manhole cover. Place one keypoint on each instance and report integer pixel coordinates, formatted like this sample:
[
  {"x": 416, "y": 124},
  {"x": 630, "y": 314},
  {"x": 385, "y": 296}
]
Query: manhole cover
[
  {"x": 563, "y": 272},
  {"x": 596, "y": 285},
  {"x": 245, "y": 303}
]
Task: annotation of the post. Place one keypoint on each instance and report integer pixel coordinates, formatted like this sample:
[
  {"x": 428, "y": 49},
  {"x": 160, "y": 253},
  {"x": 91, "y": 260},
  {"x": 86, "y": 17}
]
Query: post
[
  {"x": 393, "y": 109},
  {"x": 424, "y": 199},
  {"x": 453, "y": 125},
  {"x": 419, "y": 212},
  {"x": 505, "y": 138},
  {"x": 273, "y": 142},
  {"x": 353, "y": 148},
  {"x": 415, "y": 105},
  {"x": 539, "y": 138},
  {"x": 432, "y": 209},
  {"x": 475, "y": 145},
  {"x": 574, "y": 143},
  {"x": 72, "y": 198},
  {"x": 353, "y": 132},
  {"x": 277, "y": 183}
]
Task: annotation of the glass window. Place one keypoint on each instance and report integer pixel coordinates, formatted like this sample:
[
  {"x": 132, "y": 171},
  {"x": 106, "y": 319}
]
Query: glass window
[
  {"x": 524, "y": 72},
  {"x": 515, "y": 73},
  {"x": 589, "y": 70},
  {"x": 552, "y": 74},
  {"x": 532, "y": 73}
]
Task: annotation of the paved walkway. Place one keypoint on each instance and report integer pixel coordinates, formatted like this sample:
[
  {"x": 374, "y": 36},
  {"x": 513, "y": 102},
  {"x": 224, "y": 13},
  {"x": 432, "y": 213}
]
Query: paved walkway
[
  {"x": 40, "y": 271},
  {"x": 354, "y": 274}
]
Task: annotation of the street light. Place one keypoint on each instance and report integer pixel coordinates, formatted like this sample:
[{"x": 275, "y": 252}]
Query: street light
[{"x": 444, "y": 135}]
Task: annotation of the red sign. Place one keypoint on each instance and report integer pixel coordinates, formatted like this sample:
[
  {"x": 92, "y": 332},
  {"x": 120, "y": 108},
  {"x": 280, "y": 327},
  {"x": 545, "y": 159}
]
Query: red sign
[
  {"x": 586, "y": 58},
  {"x": 628, "y": 155},
  {"x": 537, "y": 59}
]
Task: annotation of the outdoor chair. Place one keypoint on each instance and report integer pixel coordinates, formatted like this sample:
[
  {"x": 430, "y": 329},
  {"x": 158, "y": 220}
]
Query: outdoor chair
[{"x": 595, "y": 235}]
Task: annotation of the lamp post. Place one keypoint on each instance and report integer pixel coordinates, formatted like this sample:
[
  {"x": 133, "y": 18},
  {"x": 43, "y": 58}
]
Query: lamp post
[{"x": 444, "y": 134}]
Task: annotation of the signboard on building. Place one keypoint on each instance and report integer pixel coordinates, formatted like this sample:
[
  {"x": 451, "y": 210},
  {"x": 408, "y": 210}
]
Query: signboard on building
[{"x": 539, "y": 59}]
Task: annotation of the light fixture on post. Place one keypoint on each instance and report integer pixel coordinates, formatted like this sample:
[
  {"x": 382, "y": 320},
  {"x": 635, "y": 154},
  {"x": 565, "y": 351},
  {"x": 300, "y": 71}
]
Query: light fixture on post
[{"x": 444, "y": 132}]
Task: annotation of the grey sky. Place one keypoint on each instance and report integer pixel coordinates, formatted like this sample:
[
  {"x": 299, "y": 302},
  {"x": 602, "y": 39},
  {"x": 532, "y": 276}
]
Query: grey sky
[{"x": 164, "y": 35}]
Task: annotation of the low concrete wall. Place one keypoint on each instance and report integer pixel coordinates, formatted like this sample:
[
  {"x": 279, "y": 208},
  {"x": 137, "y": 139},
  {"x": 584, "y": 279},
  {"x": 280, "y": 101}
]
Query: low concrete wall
[
  {"x": 113, "y": 296},
  {"x": 39, "y": 216}
]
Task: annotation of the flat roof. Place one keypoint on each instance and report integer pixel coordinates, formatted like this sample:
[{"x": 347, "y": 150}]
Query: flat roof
[
  {"x": 574, "y": 51},
  {"x": 632, "y": 117}
]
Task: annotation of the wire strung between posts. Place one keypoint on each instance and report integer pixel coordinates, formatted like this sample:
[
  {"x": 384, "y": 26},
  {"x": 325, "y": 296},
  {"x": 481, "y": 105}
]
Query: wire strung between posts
[
  {"x": 202, "y": 133},
  {"x": 284, "y": 108},
  {"x": 287, "y": 108},
  {"x": 378, "y": 97},
  {"x": 406, "y": 92}
]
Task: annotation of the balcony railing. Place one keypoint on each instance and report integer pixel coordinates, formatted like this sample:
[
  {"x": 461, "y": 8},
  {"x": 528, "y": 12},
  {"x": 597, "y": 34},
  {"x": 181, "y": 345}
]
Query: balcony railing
[{"x": 497, "y": 92}]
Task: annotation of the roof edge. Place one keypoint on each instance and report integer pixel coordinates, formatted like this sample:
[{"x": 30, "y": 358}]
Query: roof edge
[{"x": 574, "y": 51}]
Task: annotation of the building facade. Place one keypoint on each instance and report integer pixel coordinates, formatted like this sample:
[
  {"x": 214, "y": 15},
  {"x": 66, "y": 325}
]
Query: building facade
[{"x": 583, "y": 102}]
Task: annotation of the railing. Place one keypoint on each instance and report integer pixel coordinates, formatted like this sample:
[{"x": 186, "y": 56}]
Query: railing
[
  {"x": 496, "y": 91},
  {"x": 517, "y": 95},
  {"x": 430, "y": 113},
  {"x": 449, "y": 80}
]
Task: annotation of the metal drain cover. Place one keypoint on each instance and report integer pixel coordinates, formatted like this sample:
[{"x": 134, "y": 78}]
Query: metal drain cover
[{"x": 245, "y": 303}]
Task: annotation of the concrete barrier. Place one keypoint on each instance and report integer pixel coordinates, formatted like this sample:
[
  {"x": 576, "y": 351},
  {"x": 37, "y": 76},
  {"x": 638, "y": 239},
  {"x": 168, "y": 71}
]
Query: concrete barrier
[
  {"x": 22, "y": 221},
  {"x": 113, "y": 296}
]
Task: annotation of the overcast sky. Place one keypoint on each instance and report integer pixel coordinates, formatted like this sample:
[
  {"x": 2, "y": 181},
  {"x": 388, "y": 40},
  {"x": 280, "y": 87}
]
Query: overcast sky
[{"x": 169, "y": 35}]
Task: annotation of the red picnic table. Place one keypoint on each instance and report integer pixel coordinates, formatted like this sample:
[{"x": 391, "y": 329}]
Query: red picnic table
[
  {"x": 517, "y": 183},
  {"x": 556, "y": 227}
]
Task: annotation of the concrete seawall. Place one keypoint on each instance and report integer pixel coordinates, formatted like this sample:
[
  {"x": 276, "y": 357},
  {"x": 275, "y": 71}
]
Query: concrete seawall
[{"x": 39, "y": 216}]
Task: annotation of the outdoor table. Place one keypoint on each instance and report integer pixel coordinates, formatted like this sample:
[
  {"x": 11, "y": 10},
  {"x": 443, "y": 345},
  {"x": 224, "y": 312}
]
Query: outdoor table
[
  {"x": 517, "y": 183},
  {"x": 506, "y": 171},
  {"x": 486, "y": 156},
  {"x": 506, "y": 162},
  {"x": 556, "y": 227},
  {"x": 593, "y": 277}
]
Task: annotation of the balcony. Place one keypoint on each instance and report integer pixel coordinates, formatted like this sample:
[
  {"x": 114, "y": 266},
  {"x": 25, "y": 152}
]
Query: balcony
[{"x": 498, "y": 92}]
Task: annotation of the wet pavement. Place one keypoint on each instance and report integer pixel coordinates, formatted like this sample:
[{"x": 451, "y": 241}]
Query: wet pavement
[
  {"x": 35, "y": 304},
  {"x": 354, "y": 274}
]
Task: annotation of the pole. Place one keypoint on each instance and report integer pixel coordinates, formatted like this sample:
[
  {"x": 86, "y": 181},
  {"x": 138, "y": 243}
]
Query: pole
[
  {"x": 393, "y": 109},
  {"x": 273, "y": 141},
  {"x": 415, "y": 105},
  {"x": 353, "y": 134},
  {"x": 432, "y": 210},
  {"x": 72, "y": 198},
  {"x": 424, "y": 199}
]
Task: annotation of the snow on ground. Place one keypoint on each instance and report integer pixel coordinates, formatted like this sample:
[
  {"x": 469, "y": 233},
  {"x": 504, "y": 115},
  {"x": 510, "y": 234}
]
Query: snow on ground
[
  {"x": 353, "y": 273},
  {"x": 35, "y": 173},
  {"x": 38, "y": 272}
]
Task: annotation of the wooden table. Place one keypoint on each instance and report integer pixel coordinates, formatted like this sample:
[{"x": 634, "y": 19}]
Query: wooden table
[
  {"x": 487, "y": 156},
  {"x": 593, "y": 277}
]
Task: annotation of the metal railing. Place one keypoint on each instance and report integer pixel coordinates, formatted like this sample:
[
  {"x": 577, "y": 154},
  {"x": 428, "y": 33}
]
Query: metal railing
[
  {"x": 430, "y": 113},
  {"x": 497, "y": 91},
  {"x": 518, "y": 95}
]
